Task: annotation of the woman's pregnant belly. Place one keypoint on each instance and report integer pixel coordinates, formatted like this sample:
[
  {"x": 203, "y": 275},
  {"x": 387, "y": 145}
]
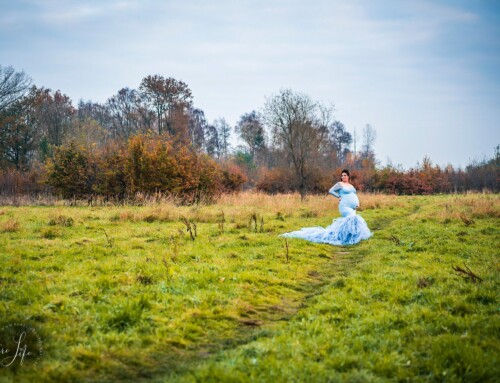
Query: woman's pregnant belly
[{"x": 348, "y": 203}]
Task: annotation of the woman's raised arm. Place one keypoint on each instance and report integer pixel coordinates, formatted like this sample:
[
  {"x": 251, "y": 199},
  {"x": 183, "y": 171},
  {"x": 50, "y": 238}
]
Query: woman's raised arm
[{"x": 334, "y": 190}]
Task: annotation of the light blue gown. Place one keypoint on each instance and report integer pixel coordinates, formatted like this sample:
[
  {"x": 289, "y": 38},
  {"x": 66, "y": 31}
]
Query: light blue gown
[{"x": 346, "y": 230}]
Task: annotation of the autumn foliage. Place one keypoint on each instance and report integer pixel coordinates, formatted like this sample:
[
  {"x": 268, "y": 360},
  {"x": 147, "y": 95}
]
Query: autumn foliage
[
  {"x": 233, "y": 177},
  {"x": 147, "y": 164},
  {"x": 70, "y": 171},
  {"x": 283, "y": 180},
  {"x": 423, "y": 179},
  {"x": 152, "y": 142}
]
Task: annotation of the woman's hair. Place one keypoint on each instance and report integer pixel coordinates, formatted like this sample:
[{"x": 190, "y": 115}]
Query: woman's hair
[{"x": 346, "y": 172}]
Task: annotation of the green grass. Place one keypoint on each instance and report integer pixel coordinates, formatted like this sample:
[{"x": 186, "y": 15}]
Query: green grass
[{"x": 125, "y": 294}]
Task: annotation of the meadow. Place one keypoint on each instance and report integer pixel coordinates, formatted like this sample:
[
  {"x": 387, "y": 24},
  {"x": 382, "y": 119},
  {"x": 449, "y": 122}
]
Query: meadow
[{"x": 210, "y": 293}]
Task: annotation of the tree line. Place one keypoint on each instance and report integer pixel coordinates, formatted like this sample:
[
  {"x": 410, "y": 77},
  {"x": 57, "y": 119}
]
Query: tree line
[{"x": 153, "y": 139}]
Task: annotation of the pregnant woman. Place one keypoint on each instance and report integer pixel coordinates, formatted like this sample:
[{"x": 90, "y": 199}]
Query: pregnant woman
[{"x": 347, "y": 230}]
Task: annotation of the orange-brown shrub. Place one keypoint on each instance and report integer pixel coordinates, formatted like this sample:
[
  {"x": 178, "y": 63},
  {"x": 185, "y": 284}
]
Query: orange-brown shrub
[
  {"x": 148, "y": 165},
  {"x": 14, "y": 181},
  {"x": 233, "y": 177},
  {"x": 110, "y": 180},
  {"x": 284, "y": 180},
  {"x": 275, "y": 180},
  {"x": 153, "y": 165},
  {"x": 70, "y": 172}
]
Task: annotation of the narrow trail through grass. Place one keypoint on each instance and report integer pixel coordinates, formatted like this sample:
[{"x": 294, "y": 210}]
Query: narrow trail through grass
[{"x": 341, "y": 261}]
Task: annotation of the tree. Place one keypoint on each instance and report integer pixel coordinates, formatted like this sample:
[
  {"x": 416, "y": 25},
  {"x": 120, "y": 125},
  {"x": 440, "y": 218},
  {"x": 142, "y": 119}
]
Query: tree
[
  {"x": 197, "y": 127},
  {"x": 88, "y": 110},
  {"x": 51, "y": 113},
  {"x": 153, "y": 165},
  {"x": 93, "y": 125},
  {"x": 340, "y": 140},
  {"x": 89, "y": 134},
  {"x": 13, "y": 86},
  {"x": 70, "y": 172},
  {"x": 367, "y": 154},
  {"x": 251, "y": 131},
  {"x": 213, "y": 145},
  {"x": 17, "y": 139},
  {"x": 369, "y": 136},
  {"x": 298, "y": 125},
  {"x": 165, "y": 96},
  {"x": 223, "y": 134},
  {"x": 485, "y": 174},
  {"x": 123, "y": 109}
]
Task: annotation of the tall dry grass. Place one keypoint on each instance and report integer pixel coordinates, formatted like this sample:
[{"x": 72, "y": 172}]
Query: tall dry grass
[
  {"x": 319, "y": 204},
  {"x": 30, "y": 200},
  {"x": 466, "y": 208},
  {"x": 163, "y": 207},
  {"x": 10, "y": 226},
  {"x": 138, "y": 199}
]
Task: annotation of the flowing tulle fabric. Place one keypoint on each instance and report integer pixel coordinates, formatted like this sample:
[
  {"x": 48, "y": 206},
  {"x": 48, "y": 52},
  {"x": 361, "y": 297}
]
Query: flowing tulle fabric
[
  {"x": 346, "y": 230},
  {"x": 343, "y": 231}
]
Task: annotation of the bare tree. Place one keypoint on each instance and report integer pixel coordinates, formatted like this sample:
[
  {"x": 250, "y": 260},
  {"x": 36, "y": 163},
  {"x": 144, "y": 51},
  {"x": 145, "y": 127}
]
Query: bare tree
[
  {"x": 13, "y": 86},
  {"x": 124, "y": 111},
  {"x": 88, "y": 110},
  {"x": 197, "y": 127},
  {"x": 213, "y": 146},
  {"x": 298, "y": 125},
  {"x": 223, "y": 133},
  {"x": 369, "y": 137}
]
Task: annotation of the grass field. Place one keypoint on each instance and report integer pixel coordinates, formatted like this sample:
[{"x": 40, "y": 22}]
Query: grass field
[{"x": 128, "y": 293}]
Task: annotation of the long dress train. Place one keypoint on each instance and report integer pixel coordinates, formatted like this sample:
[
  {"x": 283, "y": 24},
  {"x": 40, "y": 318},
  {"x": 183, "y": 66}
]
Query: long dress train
[{"x": 346, "y": 230}]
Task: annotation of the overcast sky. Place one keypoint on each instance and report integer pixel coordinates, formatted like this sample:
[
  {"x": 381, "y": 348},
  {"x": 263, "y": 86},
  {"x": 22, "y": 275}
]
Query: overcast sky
[{"x": 424, "y": 74}]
